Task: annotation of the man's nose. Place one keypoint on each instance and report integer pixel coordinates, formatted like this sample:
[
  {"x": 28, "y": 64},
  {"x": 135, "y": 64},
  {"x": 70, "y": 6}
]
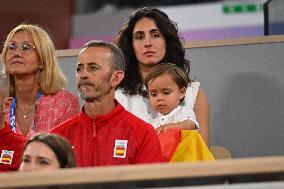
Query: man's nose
[{"x": 83, "y": 74}]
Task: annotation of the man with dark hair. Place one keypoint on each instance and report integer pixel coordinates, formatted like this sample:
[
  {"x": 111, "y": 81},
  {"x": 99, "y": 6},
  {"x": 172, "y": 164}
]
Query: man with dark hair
[
  {"x": 104, "y": 133},
  {"x": 11, "y": 144}
]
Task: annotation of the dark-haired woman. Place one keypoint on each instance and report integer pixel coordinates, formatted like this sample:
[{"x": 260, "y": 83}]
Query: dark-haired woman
[
  {"x": 148, "y": 38},
  {"x": 47, "y": 152}
]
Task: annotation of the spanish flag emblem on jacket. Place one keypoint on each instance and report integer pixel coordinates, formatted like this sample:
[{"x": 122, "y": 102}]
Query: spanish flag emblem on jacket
[
  {"x": 184, "y": 146},
  {"x": 6, "y": 157}
]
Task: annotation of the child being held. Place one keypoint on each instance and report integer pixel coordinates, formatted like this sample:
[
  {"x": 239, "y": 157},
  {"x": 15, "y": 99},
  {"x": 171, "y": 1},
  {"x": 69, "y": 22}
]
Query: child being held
[{"x": 166, "y": 85}]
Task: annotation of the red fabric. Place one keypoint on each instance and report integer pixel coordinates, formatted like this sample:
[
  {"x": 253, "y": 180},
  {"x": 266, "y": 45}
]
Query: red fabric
[
  {"x": 12, "y": 142},
  {"x": 94, "y": 140},
  {"x": 169, "y": 141},
  {"x": 51, "y": 110}
]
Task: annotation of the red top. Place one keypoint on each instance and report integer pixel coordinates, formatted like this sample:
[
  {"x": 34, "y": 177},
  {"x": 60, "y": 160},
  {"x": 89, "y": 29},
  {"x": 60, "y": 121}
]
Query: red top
[
  {"x": 116, "y": 138},
  {"x": 51, "y": 110},
  {"x": 11, "y": 146}
]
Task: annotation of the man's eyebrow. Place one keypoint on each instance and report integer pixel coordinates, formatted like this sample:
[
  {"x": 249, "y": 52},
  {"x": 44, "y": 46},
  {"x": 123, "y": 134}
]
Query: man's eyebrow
[
  {"x": 89, "y": 64},
  {"x": 79, "y": 65},
  {"x": 93, "y": 63}
]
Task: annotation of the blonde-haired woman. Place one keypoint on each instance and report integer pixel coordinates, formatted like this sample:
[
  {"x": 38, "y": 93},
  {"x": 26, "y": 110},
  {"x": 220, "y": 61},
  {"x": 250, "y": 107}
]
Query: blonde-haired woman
[{"x": 38, "y": 101}]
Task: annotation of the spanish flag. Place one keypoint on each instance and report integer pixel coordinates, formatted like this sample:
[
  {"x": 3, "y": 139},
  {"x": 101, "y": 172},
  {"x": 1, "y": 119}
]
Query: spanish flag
[
  {"x": 119, "y": 151},
  {"x": 6, "y": 159},
  {"x": 184, "y": 146}
]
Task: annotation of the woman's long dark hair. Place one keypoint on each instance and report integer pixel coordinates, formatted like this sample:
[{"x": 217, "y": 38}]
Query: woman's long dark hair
[{"x": 132, "y": 83}]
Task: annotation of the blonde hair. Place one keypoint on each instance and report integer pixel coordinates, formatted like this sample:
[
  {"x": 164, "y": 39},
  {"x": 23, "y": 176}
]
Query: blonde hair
[{"x": 51, "y": 77}]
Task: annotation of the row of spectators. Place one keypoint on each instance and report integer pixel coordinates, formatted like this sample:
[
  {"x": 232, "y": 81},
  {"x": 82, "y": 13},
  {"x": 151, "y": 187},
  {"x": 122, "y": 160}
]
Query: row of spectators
[{"x": 138, "y": 94}]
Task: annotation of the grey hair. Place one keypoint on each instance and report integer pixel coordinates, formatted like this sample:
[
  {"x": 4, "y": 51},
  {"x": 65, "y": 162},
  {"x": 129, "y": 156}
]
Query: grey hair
[{"x": 118, "y": 60}]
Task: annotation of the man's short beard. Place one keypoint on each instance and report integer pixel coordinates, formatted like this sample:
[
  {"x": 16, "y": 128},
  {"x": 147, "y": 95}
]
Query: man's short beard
[{"x": 88, "y": 98}]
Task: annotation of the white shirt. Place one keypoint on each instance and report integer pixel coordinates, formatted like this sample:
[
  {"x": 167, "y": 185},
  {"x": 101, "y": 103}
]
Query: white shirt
[
  {"x": 179, "y": 114},
  {"x": 141, "y": 107}
]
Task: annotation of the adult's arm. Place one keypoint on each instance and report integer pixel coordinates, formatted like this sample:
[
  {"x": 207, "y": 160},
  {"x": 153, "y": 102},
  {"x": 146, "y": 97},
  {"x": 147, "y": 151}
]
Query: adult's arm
[
  {"x": 201, "y": 110},
  {"x": 149, "y": 149}
]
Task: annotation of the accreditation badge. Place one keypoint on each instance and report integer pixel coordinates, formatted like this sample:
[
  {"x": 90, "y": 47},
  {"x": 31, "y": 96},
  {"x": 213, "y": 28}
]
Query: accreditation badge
[
  {"x": 120, "y": 148},
  {"x": 6, "y": 157}
]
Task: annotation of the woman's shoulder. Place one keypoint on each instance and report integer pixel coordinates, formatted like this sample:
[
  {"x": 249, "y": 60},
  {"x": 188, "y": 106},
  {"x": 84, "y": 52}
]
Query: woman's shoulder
[
  {"x": 118, "y": 92},
  {"x": 63, "y": 93},
  {"x": 61, "y": 97},
  {"x": 193, "y": 88},
  {"x": 123, "y": 97},
  {"x": 191, "y": 94},
  {"x": 194, "y": 85},
  {"x": 62, "y": 103}
]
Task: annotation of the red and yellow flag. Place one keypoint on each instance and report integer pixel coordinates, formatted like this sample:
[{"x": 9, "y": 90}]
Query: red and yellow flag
[{"x": 184, "y": 146}]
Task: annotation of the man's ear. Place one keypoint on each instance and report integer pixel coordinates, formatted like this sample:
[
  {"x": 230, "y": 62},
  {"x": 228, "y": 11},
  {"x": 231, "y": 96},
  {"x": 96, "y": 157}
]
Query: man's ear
[{"x": 116, "y": 78}]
